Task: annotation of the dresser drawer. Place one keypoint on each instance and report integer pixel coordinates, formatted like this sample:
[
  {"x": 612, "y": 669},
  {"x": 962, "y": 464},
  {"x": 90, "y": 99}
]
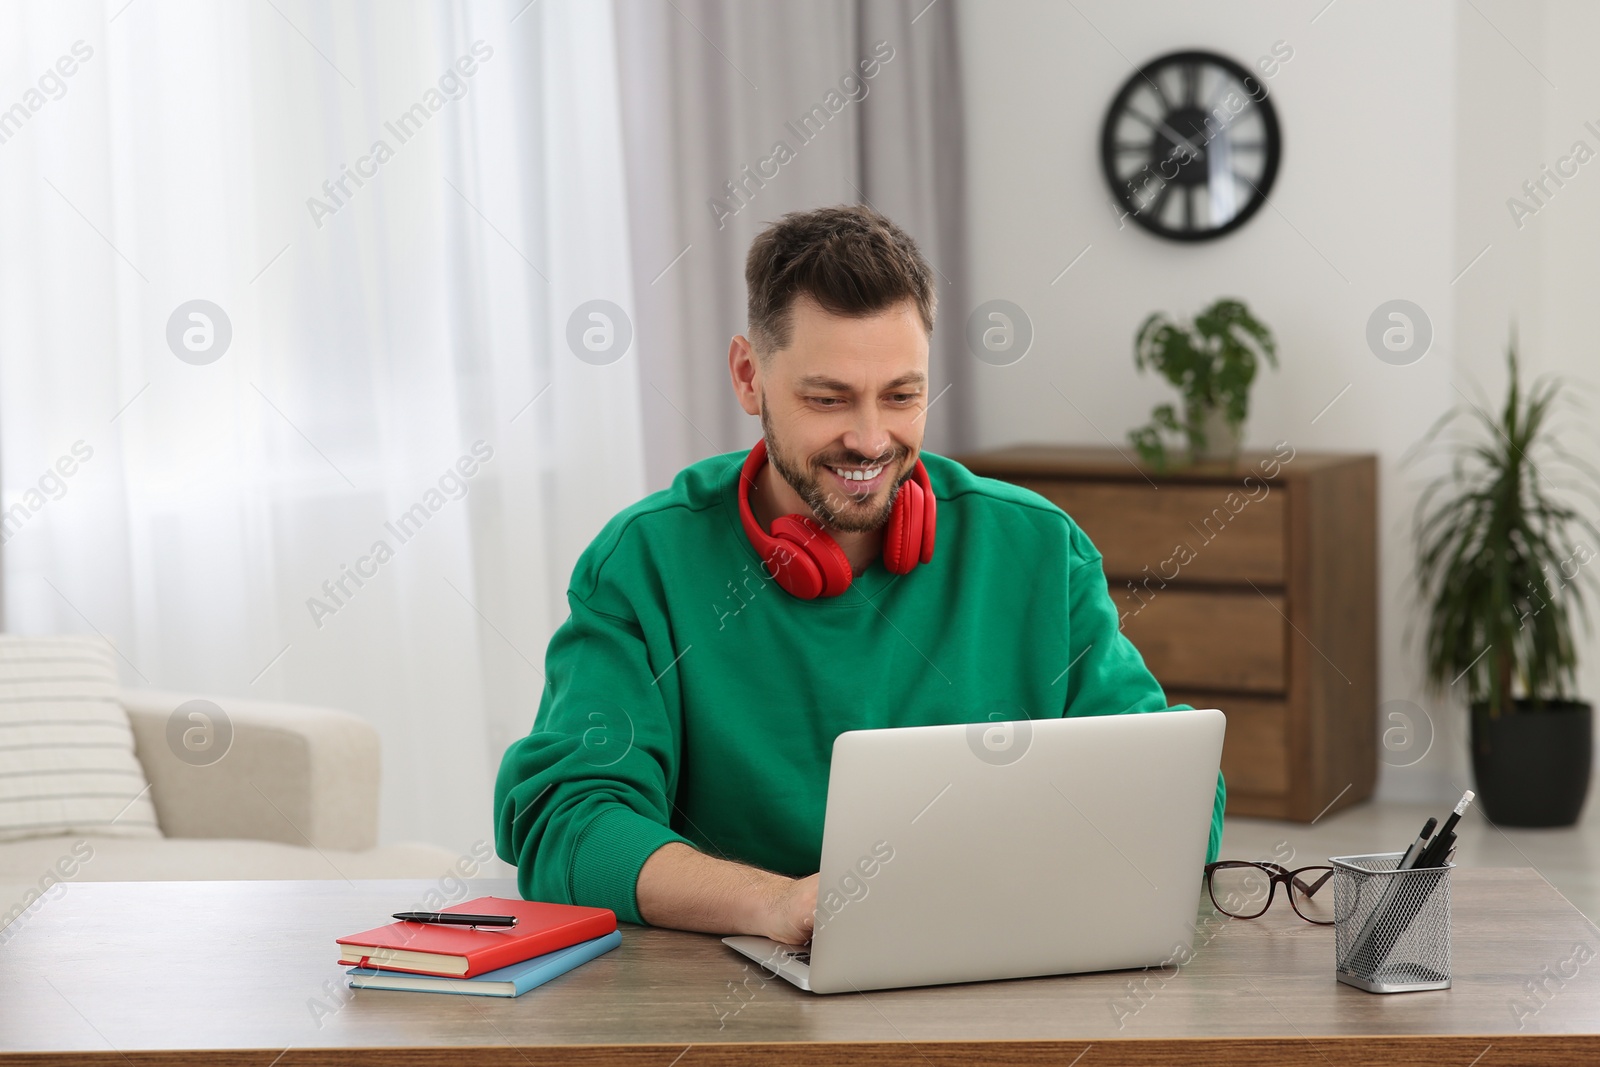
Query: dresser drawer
[
  {"x": 1207, "y": 532},
  {"x": 1205, "y": 639},
  {"x": 1255, "y": 750}
]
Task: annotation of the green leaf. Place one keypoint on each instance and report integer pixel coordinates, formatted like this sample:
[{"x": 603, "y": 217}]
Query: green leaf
[{"x": 1212, "y": 362}]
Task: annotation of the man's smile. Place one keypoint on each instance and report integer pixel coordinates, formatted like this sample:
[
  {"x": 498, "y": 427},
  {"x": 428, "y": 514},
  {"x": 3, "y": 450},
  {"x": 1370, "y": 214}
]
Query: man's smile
[{"x": 860, "y": 482}]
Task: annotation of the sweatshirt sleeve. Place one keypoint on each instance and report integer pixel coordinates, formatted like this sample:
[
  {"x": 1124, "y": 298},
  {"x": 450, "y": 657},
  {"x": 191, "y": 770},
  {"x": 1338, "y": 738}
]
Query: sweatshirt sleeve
[
  {"x": 1107, "y": 675},
  {"x": 583, "y": 800}
]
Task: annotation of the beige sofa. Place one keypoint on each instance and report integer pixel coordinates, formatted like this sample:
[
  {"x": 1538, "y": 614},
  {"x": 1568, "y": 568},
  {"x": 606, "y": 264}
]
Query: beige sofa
[{"x": 296, "y": 796}]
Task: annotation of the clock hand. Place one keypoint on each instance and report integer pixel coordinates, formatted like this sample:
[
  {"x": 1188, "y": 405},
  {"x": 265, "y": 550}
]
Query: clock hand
[{"x": 1176, "y": 138}]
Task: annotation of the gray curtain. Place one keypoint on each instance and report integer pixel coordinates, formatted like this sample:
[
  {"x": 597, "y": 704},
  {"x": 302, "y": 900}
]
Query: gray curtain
[{"x": 710, "y": 89}]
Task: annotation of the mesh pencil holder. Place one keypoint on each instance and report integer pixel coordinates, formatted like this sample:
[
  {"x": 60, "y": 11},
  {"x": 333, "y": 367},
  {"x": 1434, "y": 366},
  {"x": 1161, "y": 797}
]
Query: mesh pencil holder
[{"x": 1391, "y": 928}]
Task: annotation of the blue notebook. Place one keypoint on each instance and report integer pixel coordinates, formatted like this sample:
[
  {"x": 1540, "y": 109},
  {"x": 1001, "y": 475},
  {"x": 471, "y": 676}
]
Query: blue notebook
[{"x": 512, "y": 981}]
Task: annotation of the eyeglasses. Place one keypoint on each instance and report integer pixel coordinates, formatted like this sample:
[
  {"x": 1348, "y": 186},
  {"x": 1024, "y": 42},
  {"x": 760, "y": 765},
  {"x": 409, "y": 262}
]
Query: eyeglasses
[{"x": 1245, "y": 890}]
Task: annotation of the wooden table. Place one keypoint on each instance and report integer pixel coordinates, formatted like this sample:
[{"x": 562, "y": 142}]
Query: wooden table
[{"x": 149, "y": 973}]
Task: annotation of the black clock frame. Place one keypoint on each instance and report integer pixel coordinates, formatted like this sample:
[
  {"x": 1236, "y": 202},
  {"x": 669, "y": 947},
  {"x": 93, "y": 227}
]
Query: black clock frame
[{"x": 1272, "y": 136}]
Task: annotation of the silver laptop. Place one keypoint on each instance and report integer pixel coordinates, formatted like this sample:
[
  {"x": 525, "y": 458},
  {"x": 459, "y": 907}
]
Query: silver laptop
[{"x": 965, "y": 853}]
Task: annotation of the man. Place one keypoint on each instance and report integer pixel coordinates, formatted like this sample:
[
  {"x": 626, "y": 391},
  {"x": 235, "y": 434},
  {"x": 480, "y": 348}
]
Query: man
[{"x": 678, "y": 766}]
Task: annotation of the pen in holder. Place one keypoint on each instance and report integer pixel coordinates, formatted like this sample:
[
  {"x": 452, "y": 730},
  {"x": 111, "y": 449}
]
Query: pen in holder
[{"x": 1391, "y": 927}]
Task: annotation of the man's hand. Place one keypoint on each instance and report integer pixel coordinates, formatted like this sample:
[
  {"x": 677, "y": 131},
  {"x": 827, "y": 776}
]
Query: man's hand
[{"x": 793, "y": 911}]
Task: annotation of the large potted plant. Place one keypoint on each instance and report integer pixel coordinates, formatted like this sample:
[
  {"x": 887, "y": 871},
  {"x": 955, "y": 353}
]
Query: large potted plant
[
  {"x": 1501, "y": 556},
  {"x": 1212, "y": 360}
]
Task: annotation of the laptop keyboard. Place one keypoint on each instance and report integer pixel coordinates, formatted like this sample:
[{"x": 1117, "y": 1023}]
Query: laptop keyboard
[{"x": 801, "y": 957}]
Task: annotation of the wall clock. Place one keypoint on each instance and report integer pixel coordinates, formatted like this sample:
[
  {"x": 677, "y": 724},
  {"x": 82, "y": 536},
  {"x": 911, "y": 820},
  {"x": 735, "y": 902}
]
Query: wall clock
[{"x": 1190, "y": 145}]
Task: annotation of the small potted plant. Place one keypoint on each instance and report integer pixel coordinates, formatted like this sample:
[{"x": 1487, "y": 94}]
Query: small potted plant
[
  {"x": 1501, "y": 554},
  {"x": 1212, "y": 361}
]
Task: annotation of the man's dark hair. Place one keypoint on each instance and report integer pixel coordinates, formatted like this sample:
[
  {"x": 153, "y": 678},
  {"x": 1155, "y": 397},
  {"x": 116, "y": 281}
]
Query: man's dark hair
[{"x": 849, "y": 259}]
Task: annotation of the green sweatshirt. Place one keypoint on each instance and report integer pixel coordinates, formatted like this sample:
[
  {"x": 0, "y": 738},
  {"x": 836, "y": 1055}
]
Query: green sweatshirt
[{"x": 689, "y": 698}]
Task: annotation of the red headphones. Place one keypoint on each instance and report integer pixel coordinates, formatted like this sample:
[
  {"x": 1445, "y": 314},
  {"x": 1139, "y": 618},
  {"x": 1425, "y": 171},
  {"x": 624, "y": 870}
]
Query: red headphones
[{"x": 808, "y": 563}]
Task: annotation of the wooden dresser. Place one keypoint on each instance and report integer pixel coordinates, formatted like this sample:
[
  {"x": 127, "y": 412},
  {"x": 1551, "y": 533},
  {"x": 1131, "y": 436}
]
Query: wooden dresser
[{"x": 1249, "y": 587}]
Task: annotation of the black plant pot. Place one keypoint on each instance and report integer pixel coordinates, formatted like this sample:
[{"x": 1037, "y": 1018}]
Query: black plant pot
[{"x": 1532, "y": 768}]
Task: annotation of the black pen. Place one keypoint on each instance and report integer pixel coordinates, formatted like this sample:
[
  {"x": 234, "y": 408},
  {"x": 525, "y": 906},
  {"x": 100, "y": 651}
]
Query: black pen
[
  {"x": 455, "y": 918},
  {"x": 1412, "y": 853}
]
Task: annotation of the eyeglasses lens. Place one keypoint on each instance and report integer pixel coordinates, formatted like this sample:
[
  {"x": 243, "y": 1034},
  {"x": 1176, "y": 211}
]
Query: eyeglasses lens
[{"x": 1243, "y": 892}]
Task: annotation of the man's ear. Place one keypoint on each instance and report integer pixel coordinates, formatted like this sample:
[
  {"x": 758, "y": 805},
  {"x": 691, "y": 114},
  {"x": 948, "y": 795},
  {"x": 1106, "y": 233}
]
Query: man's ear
[{"x": 744, "y": 369}]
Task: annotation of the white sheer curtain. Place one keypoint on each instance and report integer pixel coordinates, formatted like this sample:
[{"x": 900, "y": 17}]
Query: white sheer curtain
[{"x": 381, "y": 326}]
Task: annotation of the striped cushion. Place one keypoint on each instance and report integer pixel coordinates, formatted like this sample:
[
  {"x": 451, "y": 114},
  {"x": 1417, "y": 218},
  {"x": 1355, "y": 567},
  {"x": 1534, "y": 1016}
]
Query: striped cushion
[{"x": 67, "y": 764}]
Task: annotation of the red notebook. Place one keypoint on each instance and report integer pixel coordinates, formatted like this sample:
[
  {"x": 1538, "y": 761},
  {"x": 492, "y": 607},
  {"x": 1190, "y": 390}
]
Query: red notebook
[{"x": 462, "y": 951}]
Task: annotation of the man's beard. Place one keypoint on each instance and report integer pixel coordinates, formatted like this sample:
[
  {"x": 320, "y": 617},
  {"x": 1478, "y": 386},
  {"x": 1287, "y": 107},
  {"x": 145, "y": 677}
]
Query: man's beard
[{"x": 833, "y": 508}]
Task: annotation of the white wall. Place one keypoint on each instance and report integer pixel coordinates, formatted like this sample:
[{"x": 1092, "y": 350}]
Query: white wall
[
  {"x": 1563, "y": 240},
  {"x": 1405, "y": 128}
]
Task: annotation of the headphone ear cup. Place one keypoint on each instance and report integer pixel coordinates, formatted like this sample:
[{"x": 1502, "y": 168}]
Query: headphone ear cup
[
  {"x": 816, "y": 551},
  {"x": 795, "y": 572},
  {"x": 930, "y": 515},
  {"x": 902, "y": 540}
]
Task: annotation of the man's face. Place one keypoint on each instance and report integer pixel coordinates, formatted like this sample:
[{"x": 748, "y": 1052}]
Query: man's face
[{"x": 847, "y": 396}]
